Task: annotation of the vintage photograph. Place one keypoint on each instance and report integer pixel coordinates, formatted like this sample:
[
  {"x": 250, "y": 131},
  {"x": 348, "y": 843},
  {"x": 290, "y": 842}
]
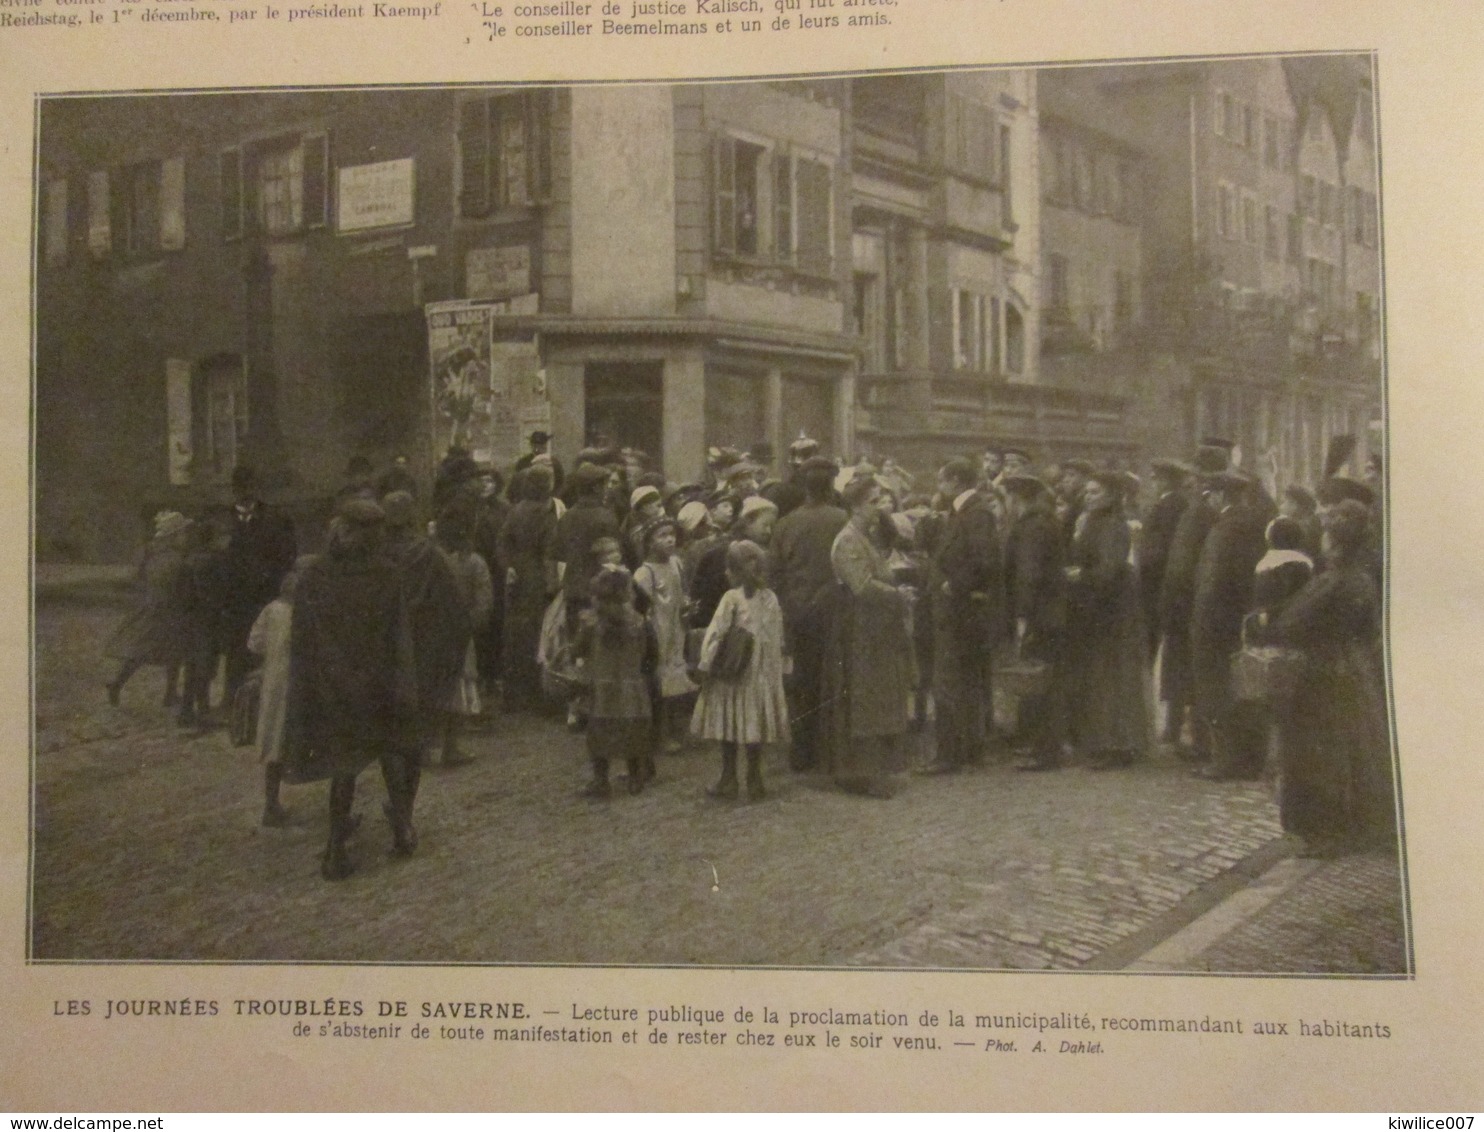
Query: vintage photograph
[{"x": 917, "y": 520}]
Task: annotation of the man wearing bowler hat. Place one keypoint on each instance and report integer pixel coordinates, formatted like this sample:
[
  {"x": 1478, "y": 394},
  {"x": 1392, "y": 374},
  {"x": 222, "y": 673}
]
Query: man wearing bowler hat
[
  {"x": 261, "y": 551},
  {"x": 541, "y": 446}
]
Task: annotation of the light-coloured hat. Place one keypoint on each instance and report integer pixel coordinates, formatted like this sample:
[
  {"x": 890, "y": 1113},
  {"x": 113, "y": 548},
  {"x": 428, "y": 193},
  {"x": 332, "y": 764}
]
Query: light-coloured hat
[
  {"x": 755, "y": 503},
  {"x": 645, "y": 494},
  {"x": 692, "y": 515}
]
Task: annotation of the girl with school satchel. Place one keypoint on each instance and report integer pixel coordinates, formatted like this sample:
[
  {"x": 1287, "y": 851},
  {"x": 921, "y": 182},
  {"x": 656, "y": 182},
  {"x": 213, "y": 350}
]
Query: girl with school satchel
[{"x": 742, "y": 701}]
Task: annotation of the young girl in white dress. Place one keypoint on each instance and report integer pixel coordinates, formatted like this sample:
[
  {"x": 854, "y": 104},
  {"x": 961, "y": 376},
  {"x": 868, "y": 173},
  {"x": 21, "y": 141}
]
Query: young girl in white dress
[{"x": 750, "y": 710}]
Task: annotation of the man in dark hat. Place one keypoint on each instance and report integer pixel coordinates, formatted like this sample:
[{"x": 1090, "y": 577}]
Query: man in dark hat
[
  {"x": 800, "y": 573},
  {"x": 261, "y": 551},
  {"x": 540, "y": 442},
  {"x": 967, "y": 607},
  {"x": 1222, "y": 597},
  {"x": 1160, "y": 522},
  {"x": 1035, "y": 591}
]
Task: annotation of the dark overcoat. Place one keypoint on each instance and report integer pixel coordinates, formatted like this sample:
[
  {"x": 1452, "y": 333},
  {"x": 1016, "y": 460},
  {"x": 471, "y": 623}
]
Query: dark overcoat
[
  {"x": 350, "y": 701},
  {"x": 1105, "y": 639}
]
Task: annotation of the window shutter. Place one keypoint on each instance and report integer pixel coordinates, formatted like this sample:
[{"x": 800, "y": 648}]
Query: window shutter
[
  {"x": 813, "y": 192},
  {"x": 172, "y": 204},
  {"x": 231, "y": 194},
  {"x": 316, "y": 180},
  {"x": 783, "y": 205},
  {"x": 724, "y": 195},
  {"x": 538, "y": 146},
  {"x": 474, "y": 158}
]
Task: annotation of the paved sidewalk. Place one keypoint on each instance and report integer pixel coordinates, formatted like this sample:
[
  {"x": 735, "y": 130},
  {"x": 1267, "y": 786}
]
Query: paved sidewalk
[{"x": 1301, "y": 917}]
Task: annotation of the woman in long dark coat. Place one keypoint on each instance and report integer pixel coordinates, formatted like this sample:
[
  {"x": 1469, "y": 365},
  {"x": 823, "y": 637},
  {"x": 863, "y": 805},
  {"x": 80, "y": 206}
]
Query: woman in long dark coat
[
  {"x": 351, "y": 700},
  {"x": 1107, "y": 645},
  {"x": 1336, "y": 789},
  {"x": 868, "y": 671},
  {"x": 526, "y": 547},
  {"x": 154, "y": 631}
]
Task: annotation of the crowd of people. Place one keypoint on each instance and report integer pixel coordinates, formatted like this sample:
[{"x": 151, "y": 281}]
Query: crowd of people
[{"x": 1047, "y": 610}]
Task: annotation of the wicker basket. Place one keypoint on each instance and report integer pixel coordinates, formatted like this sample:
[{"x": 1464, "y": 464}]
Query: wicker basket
[{"x": 1266, "y": 674}]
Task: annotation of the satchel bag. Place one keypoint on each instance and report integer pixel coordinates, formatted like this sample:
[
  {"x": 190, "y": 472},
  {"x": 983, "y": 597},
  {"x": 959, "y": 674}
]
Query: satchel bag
[
  {"x": 1266, "y": 673},
  {"x": 242, "y": 721},
  {"x": 734, "y": 653}
]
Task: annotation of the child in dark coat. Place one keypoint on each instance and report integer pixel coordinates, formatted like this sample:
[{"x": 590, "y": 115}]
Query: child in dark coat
[{"x": 617, "y": 650}]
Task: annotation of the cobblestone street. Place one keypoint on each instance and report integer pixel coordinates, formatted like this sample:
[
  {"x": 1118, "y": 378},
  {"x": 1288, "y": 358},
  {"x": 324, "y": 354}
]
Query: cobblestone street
[{"x": 147, "y": 847}]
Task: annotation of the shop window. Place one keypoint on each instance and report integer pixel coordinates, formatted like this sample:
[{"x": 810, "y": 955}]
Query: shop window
[{"x": 503, "y": 160}]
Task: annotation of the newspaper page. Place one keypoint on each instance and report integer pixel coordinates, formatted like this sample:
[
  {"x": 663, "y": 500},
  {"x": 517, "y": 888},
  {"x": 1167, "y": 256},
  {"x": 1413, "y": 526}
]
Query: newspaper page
[{"x": 1068, "y": 403}]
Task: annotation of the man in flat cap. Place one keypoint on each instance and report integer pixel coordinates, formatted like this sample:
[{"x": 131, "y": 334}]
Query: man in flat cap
[{"x": 800, "y": 573}]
